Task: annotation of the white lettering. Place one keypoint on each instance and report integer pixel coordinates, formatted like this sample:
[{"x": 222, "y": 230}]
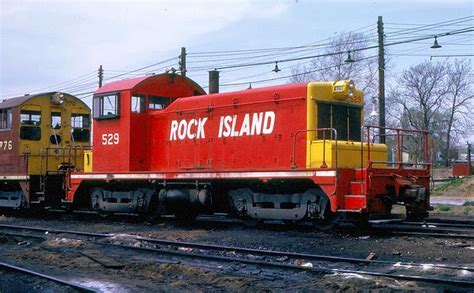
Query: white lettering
[
  {"x": 110, "y": 138},
  {"x": 234, "y": 122},
  {"x": 200, "y": 129},
  {"x": 174, "y": 128},
  {"x": 229, "y": 126},
  {"x": 269, "y": 122},
  {"x": 191, "y": 135},
  {"x": 221, "y": 124},
  {"x": 191, "y": 130},
  {"x": 245, "y": 129},
  {"x": 227, "y": 121},
  {"x": 257, "y": 123},
  {"x": 182, "y": 129}
]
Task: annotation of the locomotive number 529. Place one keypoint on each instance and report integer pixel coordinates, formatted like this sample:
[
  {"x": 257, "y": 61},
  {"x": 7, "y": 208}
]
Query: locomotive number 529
[{"x": 110, "y": 138}]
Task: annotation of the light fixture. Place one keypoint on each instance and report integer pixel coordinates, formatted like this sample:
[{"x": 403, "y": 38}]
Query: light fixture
[
  {"x": 276, "y": 69},
  {"x": 349, "y": 58},
  {"x": 435, "y": 44},
  {"x": 374, "y": 112}
]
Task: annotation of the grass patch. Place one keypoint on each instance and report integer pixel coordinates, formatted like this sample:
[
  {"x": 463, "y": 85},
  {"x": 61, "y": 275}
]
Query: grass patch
[
  {"x": 455, "y": 182},
  {"x": 453, "y": 210},
  {"x": 443, "y": 208},
  {"x": 468, "y": 204},
  {"x": 467, "y": 210}
]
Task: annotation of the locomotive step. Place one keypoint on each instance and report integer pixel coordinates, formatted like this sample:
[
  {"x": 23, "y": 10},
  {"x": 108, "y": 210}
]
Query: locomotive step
[
  {"x": 355, "y": 196},
  {"x": 40, "y": 199},
  {"x": 358, "y": 187},
  {"x": 355, "y": 202}
]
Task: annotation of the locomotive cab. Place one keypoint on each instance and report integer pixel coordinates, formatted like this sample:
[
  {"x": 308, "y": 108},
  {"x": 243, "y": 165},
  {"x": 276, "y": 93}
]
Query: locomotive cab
[{"x": 121, "y": 112}]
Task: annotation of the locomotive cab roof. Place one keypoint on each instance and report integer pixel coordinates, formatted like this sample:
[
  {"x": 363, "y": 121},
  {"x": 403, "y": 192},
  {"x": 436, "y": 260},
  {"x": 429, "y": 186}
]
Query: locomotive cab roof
[
  {"x": 133, "y": 84},
  {"x": 17, "y": 101}
]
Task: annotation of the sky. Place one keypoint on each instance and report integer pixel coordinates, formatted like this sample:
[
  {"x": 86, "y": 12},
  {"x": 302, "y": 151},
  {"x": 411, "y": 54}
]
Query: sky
[{"x": 59, "y": 44}]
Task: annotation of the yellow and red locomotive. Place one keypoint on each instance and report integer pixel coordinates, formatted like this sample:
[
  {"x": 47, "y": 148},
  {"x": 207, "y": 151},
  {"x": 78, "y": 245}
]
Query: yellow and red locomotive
[
  {"x": 293, "y": 152},
  {"x": 42, "y": 136}
]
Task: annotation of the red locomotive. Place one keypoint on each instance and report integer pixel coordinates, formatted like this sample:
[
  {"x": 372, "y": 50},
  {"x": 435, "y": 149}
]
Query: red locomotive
[{"x": 291, "y": 152}]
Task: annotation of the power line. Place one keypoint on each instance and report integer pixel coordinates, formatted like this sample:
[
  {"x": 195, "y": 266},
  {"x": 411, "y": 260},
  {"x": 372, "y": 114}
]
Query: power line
[
  {"x": 344, "y": 52},
  {"x": 142, "y": 68},
  {"x": 432, "y": 26},
  {"x": 292, "y": 75},
  {"x": 72, "y": 81}
]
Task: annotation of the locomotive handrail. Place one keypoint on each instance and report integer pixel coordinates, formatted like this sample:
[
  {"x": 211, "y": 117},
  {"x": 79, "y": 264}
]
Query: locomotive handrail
[
  {"x": 333, "y": 130},
  {"x": 400, "y": 134},
  {"x": 398, "y": 163}
]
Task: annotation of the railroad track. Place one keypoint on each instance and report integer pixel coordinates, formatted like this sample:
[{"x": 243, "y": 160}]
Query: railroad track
[
  {"x": 428, "y": 228},
  {"x": 63, "y": 282},
  {"x": 432, "y": 227},
  {"x": 282, "y": 260}
]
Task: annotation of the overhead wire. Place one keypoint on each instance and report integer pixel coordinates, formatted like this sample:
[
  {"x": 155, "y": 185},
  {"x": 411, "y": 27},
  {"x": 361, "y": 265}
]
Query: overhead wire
[{"x": 291, "y": 75}]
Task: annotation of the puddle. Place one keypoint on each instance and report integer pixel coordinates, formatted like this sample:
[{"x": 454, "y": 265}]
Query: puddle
[
  {"x": 447, "y": 202},
  {"x": 352, "y": 276},
  {"x": 101, "y": 286}
]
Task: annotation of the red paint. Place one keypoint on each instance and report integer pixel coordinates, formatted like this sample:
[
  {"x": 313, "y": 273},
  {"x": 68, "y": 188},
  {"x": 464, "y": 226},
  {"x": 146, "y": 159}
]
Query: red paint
[
  {"x": 247, "y": 152},
  {"x": 461, "y": 169},
  {"x": 12, "y": 163}
]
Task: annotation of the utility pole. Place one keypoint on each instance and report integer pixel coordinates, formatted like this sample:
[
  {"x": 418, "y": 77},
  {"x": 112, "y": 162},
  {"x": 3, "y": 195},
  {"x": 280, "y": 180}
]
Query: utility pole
[
  {"x": 100, "y": 75},
  {"x": 182, "y": 61},
  {"x": 381, "y": 80}
]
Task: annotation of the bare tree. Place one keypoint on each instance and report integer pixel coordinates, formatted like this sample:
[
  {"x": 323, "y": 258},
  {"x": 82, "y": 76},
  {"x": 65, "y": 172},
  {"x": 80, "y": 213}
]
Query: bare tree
[
  {"x": 422, "y": 89},
  {"x": 332, "y": 67},
  {"x": 434, "y": 97},
  {"x": 460, "y": 100}
]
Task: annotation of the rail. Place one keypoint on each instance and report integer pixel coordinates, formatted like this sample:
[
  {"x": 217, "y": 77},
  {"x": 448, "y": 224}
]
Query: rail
[
  {"x": 73, "y": 285},
  {"x": 324, "y": 165}
]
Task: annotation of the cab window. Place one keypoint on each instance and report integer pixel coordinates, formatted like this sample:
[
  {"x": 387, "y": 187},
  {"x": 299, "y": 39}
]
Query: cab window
[
  {"x": 30, "y": 121},
  {"x": 158, "y": 103},
  {"x": 138, "y": 104},
  {"x": 344, "y": 118},
  {"x": 5, "y": 118},
  {"x": 106, "y": 106},
  {"x": 56, "y": 120},
  {"x": 30, "y": 117},
  {"x": 80, "y": 127}
]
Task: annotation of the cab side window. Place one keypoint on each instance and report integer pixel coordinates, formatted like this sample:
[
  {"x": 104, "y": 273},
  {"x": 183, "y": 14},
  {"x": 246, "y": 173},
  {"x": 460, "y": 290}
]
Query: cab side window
[
  {"x": 157, "y": 103},
  {"x": 56, "y": 120},
  {"x": 30, "y": 121},
  {"x": 80, "y": 127},
  {"x": 138, "y": 104},
  {"x": 106, "y": 106},
  {"x": 6, "y": 118}
]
